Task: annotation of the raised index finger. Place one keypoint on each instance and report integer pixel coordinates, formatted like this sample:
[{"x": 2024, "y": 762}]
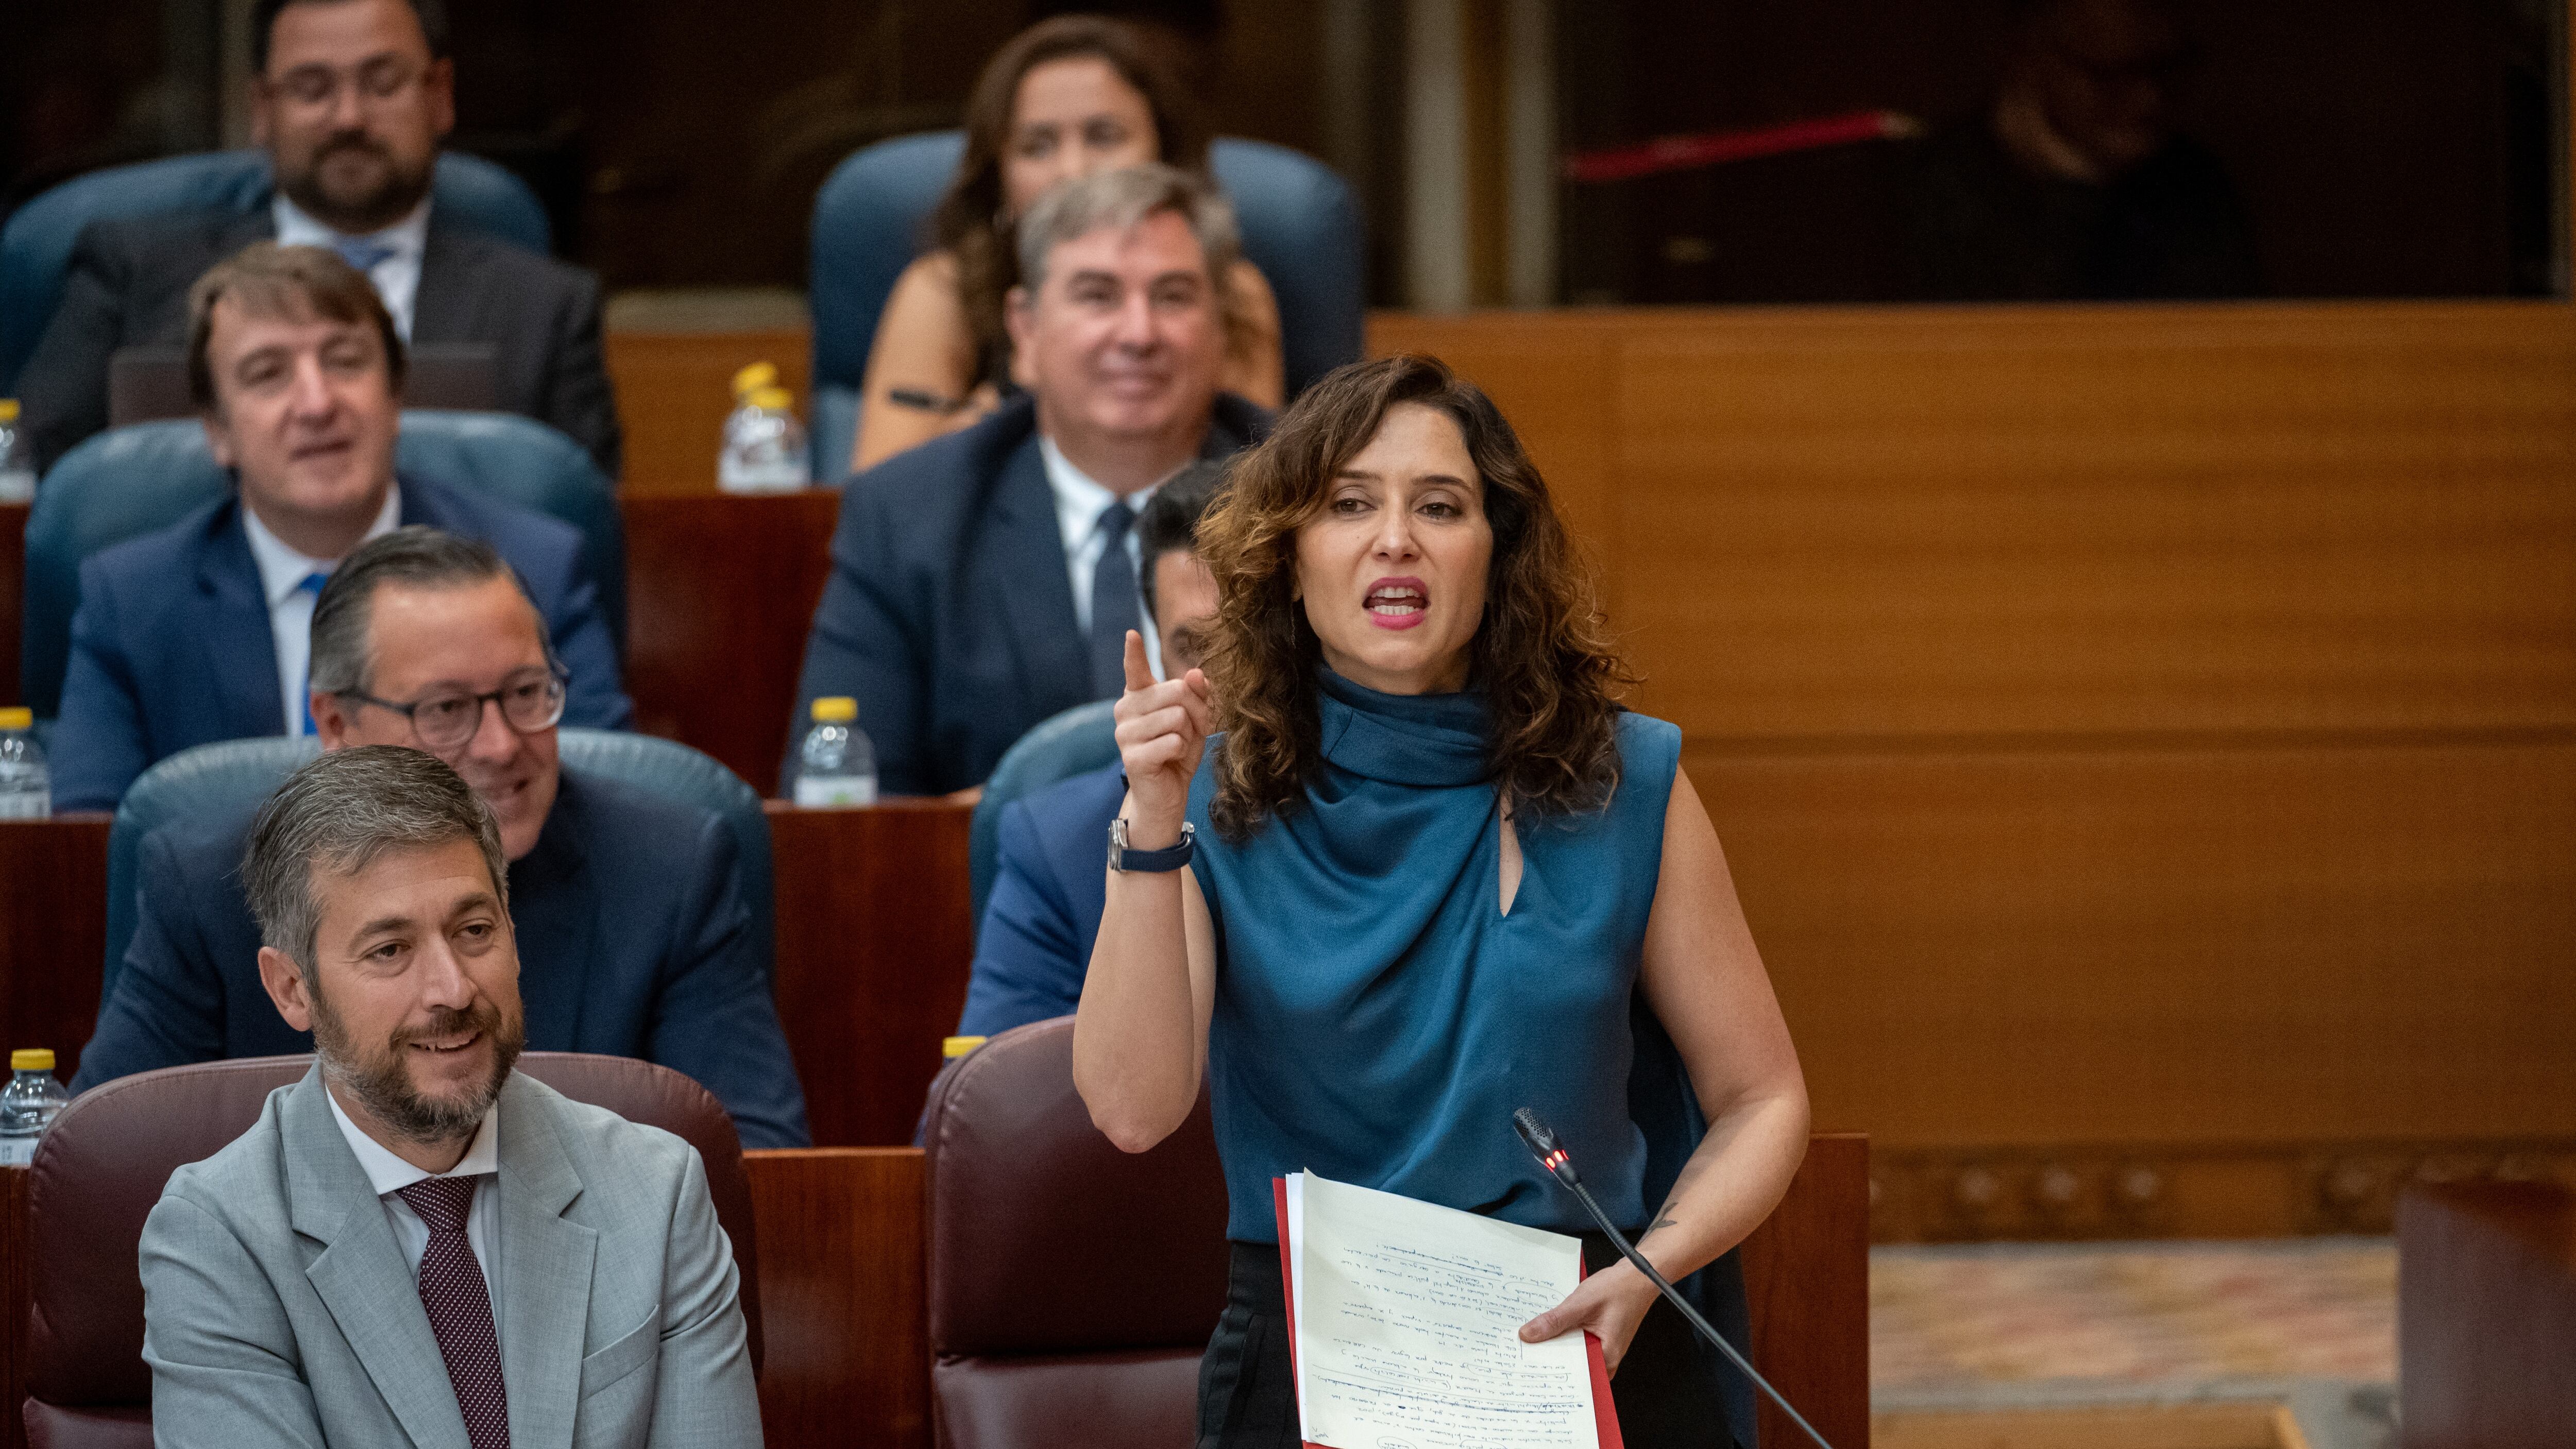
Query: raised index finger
[{"x": 1139, "y": 674}]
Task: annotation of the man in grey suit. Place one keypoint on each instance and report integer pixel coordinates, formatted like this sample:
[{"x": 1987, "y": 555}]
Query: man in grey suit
[
  {"x": 350, "y": 98},
  {"x": 415, "y": 1244}
]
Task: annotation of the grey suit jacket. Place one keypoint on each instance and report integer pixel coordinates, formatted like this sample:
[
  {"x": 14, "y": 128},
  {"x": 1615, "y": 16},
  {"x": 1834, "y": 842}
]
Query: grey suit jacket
[{"x": 279, "y": 1310}]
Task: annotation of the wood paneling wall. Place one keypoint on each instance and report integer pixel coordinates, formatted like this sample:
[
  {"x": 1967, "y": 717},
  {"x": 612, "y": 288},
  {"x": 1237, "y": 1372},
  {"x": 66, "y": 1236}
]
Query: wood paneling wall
[{"x": 2148, "y": 731}]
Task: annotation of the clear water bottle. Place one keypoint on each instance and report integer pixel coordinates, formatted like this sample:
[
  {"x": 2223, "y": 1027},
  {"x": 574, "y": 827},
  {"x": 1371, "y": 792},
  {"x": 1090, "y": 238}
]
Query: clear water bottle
[
  {"x": 26, "y": 788},
  {"x": 28, "y": 1105},
  {"x": 764, "y": 445},
  {"x": 837, "y": 766},
  {"x": 17, "y": 460}
]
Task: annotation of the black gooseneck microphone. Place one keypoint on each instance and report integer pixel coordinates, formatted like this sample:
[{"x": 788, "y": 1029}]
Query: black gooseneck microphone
[{"x": 1543, "y": 1145}]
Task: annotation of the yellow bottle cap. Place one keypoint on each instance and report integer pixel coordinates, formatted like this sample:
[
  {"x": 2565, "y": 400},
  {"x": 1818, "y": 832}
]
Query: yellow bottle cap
[
  {"x": 17, "y": 717},
  {"x": 950, "y": 1048},
  {"x": 32, "y": 1059},
  {"x": 775, "y": 399},
  {"x": 755, "y": 377},
  {"x": 8, "y": 410},
  {"x": 835, "y": 709}
]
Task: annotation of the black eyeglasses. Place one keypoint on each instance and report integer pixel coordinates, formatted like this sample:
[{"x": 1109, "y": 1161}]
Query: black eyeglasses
[{"x": 531, "y": 700}]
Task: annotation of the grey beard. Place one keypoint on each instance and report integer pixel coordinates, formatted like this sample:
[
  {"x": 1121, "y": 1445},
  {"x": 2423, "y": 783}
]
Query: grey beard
[{"x": 384, "y": 1089}]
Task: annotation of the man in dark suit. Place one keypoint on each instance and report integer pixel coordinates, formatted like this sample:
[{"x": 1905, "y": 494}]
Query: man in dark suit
[
  {"x": 351, "y": 98},
  {"x": 196, "y": 633},
  {"x": 630, "y": 919},
  {"x": 1035, "y": 943},
  {"x": 985, "y": 581}
]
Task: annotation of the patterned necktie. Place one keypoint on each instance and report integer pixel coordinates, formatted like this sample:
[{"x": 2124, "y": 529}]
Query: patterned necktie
[
  {"x": 309, "y": 584},
  {"x": 361, "y": 253},
  {"x": 460, "y": 1307},
  {"x": 1113, "y": 603}
]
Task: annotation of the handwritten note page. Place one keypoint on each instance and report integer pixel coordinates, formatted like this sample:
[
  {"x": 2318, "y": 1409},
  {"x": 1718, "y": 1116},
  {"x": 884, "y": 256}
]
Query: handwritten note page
[{"x": 1408, "y": 1326}]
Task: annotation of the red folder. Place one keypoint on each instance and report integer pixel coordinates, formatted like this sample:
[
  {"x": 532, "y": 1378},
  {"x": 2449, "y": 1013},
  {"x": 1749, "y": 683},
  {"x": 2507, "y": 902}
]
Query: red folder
[{"x": 1605, "y": 1414}]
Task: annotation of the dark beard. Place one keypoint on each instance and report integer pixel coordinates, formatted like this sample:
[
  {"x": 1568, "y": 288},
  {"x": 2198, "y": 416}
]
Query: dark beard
[
  {"x": 384, "y": 1089},
  {"x": 388, "y": 201}
]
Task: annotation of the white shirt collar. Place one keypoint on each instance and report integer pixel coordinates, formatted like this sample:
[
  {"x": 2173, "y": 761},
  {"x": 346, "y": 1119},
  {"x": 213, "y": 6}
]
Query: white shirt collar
[
  {"x": 281, "y": 568},
  {"x": 389, "y": 1173},
  {"x": 408, "y": 237},
  {"x": 1079, "y": 499}
]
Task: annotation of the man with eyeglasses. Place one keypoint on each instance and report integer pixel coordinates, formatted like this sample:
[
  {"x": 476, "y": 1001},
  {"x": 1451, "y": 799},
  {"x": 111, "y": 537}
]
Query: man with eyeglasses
[
  {"x": 633, "y": 936},
  {"x": 350, "y": 98},
  {"x": 196, "y": 633}
]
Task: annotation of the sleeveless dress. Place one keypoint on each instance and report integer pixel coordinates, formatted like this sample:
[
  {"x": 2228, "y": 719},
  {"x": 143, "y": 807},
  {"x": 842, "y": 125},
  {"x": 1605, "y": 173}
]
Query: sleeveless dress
[{"x": 1378, "y": 1017}]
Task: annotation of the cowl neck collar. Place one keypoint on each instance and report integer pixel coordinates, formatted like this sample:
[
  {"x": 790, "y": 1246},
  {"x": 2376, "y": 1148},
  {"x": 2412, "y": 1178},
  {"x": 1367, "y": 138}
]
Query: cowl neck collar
[{"x": 1434, "y": 741}]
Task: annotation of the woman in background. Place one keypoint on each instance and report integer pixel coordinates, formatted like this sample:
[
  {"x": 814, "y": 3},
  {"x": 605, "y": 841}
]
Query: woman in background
[
  {"x": 1065, "y": 98},
  {"x": 1431, "y": 866}
]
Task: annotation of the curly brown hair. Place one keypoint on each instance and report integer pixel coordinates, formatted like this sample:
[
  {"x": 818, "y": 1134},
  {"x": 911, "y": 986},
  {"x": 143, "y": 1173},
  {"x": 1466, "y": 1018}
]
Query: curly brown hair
[
  {"x": 1542, "y": 654},
  {"x": 969, "y": 224}
]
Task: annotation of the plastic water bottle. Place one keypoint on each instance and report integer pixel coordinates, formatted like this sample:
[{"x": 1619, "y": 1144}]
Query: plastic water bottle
[
  {"x": 26, "y": 788},
  {"x": 17, "y": 460},
  {"x": 764, "y": 445},
  {"x": 837, "y": 766},
  {"x": 28, "y": 1104}
]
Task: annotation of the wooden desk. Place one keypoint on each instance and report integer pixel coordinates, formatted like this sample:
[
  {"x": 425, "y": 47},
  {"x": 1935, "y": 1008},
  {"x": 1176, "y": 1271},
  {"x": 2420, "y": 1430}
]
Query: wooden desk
[
  {"x": 53, "y": 933},
  {"x": 874, "y": 942},
  {"x": 873, "y": 946},
  {"x": 720, "y": 593},
  {"x": 2486, "y": 1316}
]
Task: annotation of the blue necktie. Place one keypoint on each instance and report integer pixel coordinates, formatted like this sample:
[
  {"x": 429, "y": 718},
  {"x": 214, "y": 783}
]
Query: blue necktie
[
  {"x": 1113, "y": 603},
  {"x": 309, "y": 584},
  {"x": 361, "y": 253}
]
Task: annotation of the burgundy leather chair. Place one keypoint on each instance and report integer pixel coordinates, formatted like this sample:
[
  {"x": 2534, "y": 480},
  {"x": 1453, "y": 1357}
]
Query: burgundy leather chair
[
  {"x": 1072, "y": 1286},
  {"x": 102, "y": 1164}
]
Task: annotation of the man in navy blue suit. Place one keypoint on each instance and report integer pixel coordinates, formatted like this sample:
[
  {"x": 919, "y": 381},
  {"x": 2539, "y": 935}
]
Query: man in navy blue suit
[
  {"x": 987, "y": 580},
  {"x": 1048, "y": 886},
  {"x": 633, "y": 935},
  {"x": 196, "y": 633}
]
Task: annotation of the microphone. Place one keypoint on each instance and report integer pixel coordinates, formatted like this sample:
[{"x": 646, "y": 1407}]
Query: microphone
[{"x": 1551, "y": 1155}]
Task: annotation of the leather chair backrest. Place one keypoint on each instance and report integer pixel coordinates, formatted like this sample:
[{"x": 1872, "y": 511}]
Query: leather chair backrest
[
  {"x": 130, "y": 481},
  {"x": 222, "y": 781},
  {"x": 1055, "y": 749},
  {"x": 103, "y": 1164},
  {"x": 1072, "y": 1286},
  {"x": 36, "y": 246},
  {"x": 1301, "y": 226}
]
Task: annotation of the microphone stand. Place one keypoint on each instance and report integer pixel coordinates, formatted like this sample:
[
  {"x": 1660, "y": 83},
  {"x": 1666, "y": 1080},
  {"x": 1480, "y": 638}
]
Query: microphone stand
[{"x": 1542, "y": 1144}]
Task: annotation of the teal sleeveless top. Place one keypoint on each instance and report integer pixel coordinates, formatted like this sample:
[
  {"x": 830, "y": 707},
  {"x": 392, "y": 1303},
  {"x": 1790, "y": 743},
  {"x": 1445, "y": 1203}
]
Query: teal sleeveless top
[{"x": 1378, "y": 1018}]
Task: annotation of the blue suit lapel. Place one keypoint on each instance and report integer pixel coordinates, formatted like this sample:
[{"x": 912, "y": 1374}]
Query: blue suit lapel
[
  {"x": 237, "y": 641},
  {"x": 554, "y": 905},
  {"x": 1024, "y": 552}
]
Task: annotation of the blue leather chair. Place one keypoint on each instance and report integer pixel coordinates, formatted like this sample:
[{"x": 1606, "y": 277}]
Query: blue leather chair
[
  {"x": 216, "y": 781},
  {"x": 1058, "y": 748},
  {"x": 132, "y": 480},
  {"x": 1301, "y": 227},
  {"x": 36, "y": 246}
]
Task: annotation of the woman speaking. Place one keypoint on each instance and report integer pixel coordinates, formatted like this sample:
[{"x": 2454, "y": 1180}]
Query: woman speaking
[{"x": 1431, "y": 864}]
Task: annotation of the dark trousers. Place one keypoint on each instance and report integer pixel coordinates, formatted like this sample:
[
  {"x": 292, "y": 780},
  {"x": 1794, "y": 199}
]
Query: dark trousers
[{"x": 1664, "y": 1392}]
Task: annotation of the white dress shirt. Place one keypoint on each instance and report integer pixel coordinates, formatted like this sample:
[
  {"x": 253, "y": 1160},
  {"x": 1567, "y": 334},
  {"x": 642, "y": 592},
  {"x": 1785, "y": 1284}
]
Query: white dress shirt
[
  {"x": 1079, "y": 502},
  {"x": 290, "y": 608},
  {"x": 397, "y": 277},
  {"x": 389, "y": 1175}
]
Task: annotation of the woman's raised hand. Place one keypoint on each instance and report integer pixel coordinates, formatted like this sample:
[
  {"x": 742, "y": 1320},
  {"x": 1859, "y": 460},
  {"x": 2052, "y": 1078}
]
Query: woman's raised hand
[{"x": 1162, "y": 730}]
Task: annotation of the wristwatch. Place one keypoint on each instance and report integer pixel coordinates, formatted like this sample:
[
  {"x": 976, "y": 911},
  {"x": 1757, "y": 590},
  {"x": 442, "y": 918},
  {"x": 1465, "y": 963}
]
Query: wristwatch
[{"x": 1170, "y": 857}]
